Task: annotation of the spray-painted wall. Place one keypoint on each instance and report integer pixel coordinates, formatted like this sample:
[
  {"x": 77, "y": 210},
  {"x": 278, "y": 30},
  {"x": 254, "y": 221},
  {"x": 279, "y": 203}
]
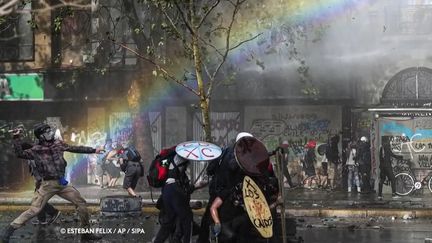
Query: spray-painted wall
[
  {"x": 296, "y": 123},
  {"x": 411, "y": 137}
]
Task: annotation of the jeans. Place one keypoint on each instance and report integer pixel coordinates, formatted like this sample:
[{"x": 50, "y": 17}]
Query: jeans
[
  {"x": 47, "y": 190},
  {"x": 353, "y": 174}
]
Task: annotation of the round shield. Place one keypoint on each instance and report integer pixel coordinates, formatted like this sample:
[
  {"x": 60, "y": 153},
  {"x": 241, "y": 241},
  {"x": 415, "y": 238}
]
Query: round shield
[
  {"x": 257, "y": 207},
  {"x": 251, "y": 155},
  {"x": 197, "y": 150}
]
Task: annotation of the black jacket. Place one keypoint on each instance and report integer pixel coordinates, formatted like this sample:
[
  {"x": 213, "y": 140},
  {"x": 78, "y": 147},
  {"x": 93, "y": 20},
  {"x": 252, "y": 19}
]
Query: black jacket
[{"x": 385, "y": 156}]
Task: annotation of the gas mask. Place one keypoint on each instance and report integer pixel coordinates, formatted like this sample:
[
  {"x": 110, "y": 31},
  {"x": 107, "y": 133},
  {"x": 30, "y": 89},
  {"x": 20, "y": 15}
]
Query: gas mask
[{"x": 47, "y": 135}]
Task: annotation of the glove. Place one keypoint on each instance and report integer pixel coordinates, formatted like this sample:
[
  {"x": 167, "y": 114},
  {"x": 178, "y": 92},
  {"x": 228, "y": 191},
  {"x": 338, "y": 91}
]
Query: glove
[
  {"x": 63, "y": 181},
  {"x": 216, "y": 229}
]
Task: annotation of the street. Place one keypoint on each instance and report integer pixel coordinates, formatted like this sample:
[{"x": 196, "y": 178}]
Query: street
[{"x": 312, "y": 230}]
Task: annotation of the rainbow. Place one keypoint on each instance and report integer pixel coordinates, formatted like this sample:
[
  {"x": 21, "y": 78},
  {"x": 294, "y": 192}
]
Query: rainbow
[{"x": 276, "y": 13}]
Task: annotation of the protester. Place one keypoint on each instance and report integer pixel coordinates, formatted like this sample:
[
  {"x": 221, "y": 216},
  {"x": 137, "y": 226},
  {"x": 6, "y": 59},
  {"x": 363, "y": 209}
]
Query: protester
[
  {"x": 309, "y": 163},
  {"x": 48, "y": 210},
  {"x": 130, "y": 163},
  {"x": 364, "y": 161},
  {"x": 49, "y": 160},
  {"x": 284, "y": 147},
  {"x": 224, "y": 174},
  {"x": 352, "y": 167},
  {"x": 230, "y": 220},
  {"x": 332, "y": 154},
  {"x": 176, "y": 214},
  {"x": 323, "y": 176},
  {"x": 386, "y": 170},
  {"x": 113, "y": 164},
  {"x": 101, "y": 164}
]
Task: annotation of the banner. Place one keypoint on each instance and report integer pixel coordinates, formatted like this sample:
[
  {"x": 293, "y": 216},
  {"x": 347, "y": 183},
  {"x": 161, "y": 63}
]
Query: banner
[{"x": 28, "y": 86}]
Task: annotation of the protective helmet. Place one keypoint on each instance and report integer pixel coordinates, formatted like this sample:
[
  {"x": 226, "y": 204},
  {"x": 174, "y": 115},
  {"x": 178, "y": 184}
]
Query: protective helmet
[
  {"x": 363, "y": 139},
  {"x": 243, "y": 134},
  {"x": 43, "y": 132},
  {"x": 311, "y": 144},
  {"x": 39, "y": 129}
]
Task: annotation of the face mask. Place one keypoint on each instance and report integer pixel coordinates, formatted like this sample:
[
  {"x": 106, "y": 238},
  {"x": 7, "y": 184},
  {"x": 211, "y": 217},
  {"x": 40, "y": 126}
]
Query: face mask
[{"x": 48, "y": 135}]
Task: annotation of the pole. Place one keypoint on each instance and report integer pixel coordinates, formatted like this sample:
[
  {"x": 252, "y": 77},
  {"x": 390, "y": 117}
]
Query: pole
[{"x": 279, "y": 157}]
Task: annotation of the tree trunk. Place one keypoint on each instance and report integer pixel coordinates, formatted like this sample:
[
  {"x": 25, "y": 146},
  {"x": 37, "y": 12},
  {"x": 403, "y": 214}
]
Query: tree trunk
[{"x": 204, "y": 101}]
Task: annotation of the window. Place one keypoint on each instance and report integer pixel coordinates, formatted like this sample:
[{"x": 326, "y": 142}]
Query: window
[{"x": 16, "y": 36}]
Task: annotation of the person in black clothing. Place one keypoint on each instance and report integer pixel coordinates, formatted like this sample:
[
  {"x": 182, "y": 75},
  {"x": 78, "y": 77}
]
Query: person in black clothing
[
  {"x": 386, "y": 170},
  {"x": 229, "y": 220},
  {"x": 332, "y": 154},
  {"x": 176, "y": 215},
  {"x": 364, "y": 161},
  {"x": 309, "y": 163},
  {"x": 224, "y": 175},
  {"x": 284, "y": 148}
]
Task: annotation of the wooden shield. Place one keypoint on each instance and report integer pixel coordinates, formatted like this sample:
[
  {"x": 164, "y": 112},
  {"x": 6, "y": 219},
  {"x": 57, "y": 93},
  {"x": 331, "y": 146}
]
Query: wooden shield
[
  {"x": 198, "y": 151},
  {"x": 257, "y": 207},
  {"x": 251, "y": 155}
]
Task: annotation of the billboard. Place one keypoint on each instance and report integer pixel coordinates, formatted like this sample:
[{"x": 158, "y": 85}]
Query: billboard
[{"x": 27, "y": 86}]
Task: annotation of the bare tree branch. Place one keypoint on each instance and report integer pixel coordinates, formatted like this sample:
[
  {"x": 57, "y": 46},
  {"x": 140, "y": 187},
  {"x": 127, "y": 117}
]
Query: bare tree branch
[
  {"x": 165, "y": 73},
  {"x": 215, "y": 4},
  {"x": 244, "y": 41},
  {"x": 174, "y": 27},
  {"x": 211, "y": 45},
  {"x": 227, "y": 46},
  {"x": 185, "y": 20}
]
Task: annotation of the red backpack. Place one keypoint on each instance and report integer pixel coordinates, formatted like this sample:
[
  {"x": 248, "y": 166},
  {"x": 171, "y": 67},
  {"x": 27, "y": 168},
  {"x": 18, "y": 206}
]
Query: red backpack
[{"x": 158, "y": 171}]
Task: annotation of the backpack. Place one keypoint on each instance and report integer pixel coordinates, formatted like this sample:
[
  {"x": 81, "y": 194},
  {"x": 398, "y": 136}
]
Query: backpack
[
  {"x": 132, "y": 154},
  {"x": 159, "y": 167}
]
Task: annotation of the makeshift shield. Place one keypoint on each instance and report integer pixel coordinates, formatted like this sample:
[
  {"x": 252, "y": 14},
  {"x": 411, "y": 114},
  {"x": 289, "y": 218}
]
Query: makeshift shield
[
  {"x": 199, "y": 151},
  {"x": 257, "y": 207},
  {"x": 251, "y": 155}
]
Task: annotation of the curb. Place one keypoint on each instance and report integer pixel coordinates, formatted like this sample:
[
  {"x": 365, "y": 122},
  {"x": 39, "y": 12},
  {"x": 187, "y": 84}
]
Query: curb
[
  {"x": 360, "y": 213},
  {"x": 295, "y": 212}
]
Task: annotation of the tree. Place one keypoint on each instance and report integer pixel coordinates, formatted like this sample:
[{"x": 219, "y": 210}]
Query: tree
[{"x": 204, "y": 31}]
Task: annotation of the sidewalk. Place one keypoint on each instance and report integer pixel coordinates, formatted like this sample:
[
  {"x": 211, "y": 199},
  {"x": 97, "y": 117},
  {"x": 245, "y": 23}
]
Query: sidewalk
[{"x": 298, "y": 201}]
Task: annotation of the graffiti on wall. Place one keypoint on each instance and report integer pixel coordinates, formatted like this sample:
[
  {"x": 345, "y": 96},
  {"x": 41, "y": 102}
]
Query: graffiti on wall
[
  {"x": 411, "y": 139},
  {"x": 296, "y": 128},
  {"x": 120, "y": 124}
]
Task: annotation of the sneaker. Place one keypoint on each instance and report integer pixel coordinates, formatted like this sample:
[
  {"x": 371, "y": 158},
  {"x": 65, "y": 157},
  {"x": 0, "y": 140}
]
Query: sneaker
[
  {"x": 8, "y": 232},
  {"x": 39, "y": 222},
  {"x": 54, "y": 217},
  {"x": 395, "y": 196},
  {"x": 349, "y": 189},
  {"x": 380, "y": 198}
]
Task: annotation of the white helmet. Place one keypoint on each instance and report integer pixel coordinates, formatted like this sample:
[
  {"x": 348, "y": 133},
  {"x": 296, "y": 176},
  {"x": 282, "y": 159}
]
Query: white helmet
[
  {"x": 243, "y": 134},
  {"x": 363, "y": 139}
]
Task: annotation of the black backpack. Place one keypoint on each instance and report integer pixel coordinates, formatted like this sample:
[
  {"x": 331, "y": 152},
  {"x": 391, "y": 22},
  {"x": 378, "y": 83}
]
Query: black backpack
[
  {"x": 159, "y": 167},
  {"x": 132, "y": 154}
]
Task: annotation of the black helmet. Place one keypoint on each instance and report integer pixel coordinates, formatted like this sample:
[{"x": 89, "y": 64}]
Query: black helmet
[{"x": 39, "y": 129}]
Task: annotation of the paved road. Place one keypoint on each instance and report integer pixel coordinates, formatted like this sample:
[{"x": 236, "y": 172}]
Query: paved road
[{"x": 312, "y": 230}]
